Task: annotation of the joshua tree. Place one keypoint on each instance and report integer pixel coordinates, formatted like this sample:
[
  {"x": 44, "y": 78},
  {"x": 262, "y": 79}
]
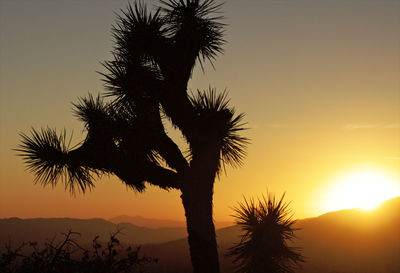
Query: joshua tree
[
  {"x": 267, "y": 227},
  {"x": 146, "y": 84}
]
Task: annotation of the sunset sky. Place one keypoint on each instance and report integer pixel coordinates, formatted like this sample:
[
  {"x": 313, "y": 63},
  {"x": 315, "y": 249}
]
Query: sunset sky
[{"x": 319, "y": 82}]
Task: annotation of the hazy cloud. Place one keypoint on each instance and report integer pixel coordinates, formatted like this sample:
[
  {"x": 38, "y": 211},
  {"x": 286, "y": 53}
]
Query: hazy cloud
[
  {"x": 279, "y": 125},
  {"x": 357, "y": 126},
  {"x": 392, "y": 126},
  {"x": 273, "y": 125}
]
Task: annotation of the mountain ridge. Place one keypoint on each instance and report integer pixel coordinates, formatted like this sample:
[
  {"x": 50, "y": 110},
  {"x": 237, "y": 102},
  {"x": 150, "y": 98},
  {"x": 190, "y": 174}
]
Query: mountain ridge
[
  {"x": 346, "y": 241},
  {"x": 154, "y": 223},
  {"x": 40, "y": 229}
]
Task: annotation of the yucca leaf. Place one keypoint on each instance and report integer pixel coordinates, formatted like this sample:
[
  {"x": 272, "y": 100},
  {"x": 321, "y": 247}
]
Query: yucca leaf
[{"x": 46, "y": 154}]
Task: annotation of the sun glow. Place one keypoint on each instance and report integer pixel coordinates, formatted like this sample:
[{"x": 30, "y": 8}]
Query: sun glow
[{"x": 362, "y": 189}]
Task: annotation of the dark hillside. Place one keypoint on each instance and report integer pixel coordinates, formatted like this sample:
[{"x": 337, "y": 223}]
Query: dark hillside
[
  {"x": 40, "y": 229},
  {"x": 347, "y": 241}
]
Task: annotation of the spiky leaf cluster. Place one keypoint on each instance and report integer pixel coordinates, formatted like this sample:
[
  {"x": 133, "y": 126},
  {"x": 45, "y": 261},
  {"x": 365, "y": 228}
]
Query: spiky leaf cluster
[
  {"x": 138, "y": 34},
  {"x": 46, "y": 155},
  {"x": 116, "y": 129},
  {"x": 195, "y": 23},
  {"x": 267, "y": 228},
  {"x": 219, "y": 119}
]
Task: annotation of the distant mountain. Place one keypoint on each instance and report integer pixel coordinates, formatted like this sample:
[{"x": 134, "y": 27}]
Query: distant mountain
[
  {"x": 347, "y": 241},
  {"x": 39, "y": 229},
  {"x": 147, "y": 222},
  {"x": 157, "y": 223},
  {"x": 353, "y": 240}
]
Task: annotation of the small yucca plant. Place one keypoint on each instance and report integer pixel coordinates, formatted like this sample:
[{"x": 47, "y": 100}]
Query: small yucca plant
[{"x": 267, "y": 227}]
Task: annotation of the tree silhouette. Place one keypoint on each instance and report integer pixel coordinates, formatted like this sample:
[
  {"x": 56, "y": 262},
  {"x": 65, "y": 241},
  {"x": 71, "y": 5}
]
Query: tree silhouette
[
  {"x": 267, "y": 226},
  {"x": 146, "y": 83}
]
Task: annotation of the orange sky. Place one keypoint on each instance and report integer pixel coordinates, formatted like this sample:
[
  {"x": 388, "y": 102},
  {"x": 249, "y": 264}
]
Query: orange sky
[{"x": 318, "y": 81}]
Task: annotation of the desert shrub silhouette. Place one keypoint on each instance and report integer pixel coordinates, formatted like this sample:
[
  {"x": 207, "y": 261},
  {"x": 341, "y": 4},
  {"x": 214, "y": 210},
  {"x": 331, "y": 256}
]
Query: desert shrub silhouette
[
  {"x": 267, "y": 227},
  {"x": 68, "y": 256}
]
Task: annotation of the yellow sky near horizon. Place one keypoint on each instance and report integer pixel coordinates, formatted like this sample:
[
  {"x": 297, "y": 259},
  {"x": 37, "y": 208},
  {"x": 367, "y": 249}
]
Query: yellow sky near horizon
[{"x": 318, "y": 82}]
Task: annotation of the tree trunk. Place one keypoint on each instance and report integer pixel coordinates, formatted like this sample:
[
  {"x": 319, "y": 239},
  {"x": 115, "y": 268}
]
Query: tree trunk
[{"x": 197, "y": 195}]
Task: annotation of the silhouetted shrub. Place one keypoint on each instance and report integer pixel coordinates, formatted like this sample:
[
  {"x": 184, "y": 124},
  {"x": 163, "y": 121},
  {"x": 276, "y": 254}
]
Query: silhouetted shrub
[
  {"x": 267, "y": 227},
  {"x": 69, "y": 257}
]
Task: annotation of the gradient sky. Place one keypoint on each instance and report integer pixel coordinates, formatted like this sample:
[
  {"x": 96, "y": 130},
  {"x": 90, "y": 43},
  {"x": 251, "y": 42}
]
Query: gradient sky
[{"x": 318, "y": 81}]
